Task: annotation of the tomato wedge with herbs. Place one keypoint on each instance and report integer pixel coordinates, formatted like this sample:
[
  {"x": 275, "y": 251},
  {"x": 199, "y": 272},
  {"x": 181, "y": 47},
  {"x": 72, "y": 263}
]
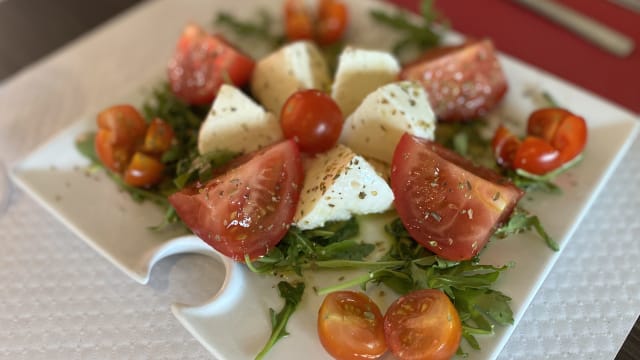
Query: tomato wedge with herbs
[
  {"x": 248, "y": 209},
  {"x": 312, "y": 119},
  {"x": 423, "y": 325},
  {"x": 202, "y": 63},
  {"x": 463, "y": 82},
  {"x": 446, "y": 203},
  {"x": 350, "y": 326},
  {"x": 554, "y": 137}
]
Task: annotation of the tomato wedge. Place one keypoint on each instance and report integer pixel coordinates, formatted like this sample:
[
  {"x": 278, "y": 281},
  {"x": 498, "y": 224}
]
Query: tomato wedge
[
  {"x": 448, "y": 204},
  {"x": 248, "y": 209},
  {"x": 423, "y": 325},
  {"x": 350, "y": 326},
  {"x": 463, "y": 82},
  {"x": 202, "y": 63}
]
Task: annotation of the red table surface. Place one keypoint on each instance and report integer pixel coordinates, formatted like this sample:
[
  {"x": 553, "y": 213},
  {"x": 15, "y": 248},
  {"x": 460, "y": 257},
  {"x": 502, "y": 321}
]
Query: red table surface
[{"x": 538, "y": 41}]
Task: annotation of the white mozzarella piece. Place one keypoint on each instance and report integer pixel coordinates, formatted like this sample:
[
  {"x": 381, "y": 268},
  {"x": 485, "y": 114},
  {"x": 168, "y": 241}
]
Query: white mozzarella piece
[
  {"x": 294, "y": 67},
  {"x": 236, "y": 123},
  {"x": 375, "y": 127},
  {"x": 337, "y": 185},
  {"x": 359, "y": 73}
]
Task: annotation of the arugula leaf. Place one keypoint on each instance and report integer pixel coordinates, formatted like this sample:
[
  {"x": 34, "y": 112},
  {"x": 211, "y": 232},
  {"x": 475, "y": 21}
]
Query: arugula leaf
[
  {"x": 521, "y": 221},
  {"x": 413, "y": 36},
  {"x": 259, "y": 28},
  {"x": 292, "y": 295}
]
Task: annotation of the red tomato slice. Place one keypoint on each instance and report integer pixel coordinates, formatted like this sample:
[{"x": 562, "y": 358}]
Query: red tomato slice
[
  {"x": 536, "y": 156},
  {"x": 423, "y": 325},
  {"x": 350, "y": 326},
  {"x": 248, "y": 209},
  {"x": 463, "y": 82},
  {"x": 202, "y": 63},
  {"x": 333, "y": 18},
  {"x": 312, "y": 119},
  {"x": 448, "y": 204},
  {"x": 505, "y": 145}
]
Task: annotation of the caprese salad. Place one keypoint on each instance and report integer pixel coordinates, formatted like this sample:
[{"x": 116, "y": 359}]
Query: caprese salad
[{"x": 278, "y": 162}]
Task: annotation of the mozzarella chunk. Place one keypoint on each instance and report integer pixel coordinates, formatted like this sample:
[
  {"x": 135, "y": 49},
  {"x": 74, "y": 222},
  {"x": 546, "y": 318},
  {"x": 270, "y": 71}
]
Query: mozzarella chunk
[
  {"x": 236, "y": 123},
  {"x": 337, "y": 185},
  {"x": 359, "y": 73},
  {"x": 375, "y": 128},
  {"x": 294, "y": 67}
]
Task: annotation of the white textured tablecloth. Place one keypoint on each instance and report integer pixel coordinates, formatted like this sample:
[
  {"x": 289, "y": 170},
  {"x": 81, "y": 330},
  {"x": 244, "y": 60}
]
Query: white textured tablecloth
[{"x": 61, "y": 300}]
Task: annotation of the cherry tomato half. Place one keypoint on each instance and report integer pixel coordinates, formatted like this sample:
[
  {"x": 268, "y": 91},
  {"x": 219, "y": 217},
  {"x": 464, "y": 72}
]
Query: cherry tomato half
[
  {"x": 448, "y": 204},
  {"x": 536, "y": 156},
  {"x": 298, "y": 21},
  {"x": 423, "y": 325},
  {"x": 312, "y": 119},
  {"x": 350, "y": 326},
  {"x": 143, "y": 170},
  {"x": 248, "y": 209},
  {"x": 120, "y": 130},
  {"x": 333, "y": 18},
  {"x": 563, "y": 130},
  {"x": 505, "y": 145},
  {"x": 159, "y": 137}
]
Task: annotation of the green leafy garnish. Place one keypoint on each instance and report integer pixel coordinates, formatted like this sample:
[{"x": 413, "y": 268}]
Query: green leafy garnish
[
  {"x": 259, "y": 28},
  {"x": 521, "y": 221},
  {"x": 414, "y": 36},
  {"x": 292, "y": 295}
]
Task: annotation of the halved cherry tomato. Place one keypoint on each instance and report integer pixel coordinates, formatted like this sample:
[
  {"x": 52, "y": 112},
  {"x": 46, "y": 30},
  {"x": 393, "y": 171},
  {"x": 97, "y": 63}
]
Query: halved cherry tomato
[
  {"x": 298, "y": 21},
  {"x": 536, "y": 156},
  {"x": 423, "y": 325},
  {"x": 248, "y": 209},
  {"x": 159, "y": 137},
  {"x": 143, "y": 170},
  {"x": 333, "y": 18},
  {"x": 505, "y": 145},
  {"x": 555, "y": 137},
  {"x": 463, "y": 82},
  {"x": 120, "y": 130},
  {"x": 326, "y": 25},
  {"x": 312, "y": 119},
  {"x": 202, "y": 63},
  {"x": 350, "y": 326},
  {"x": 448, "y": 204}
]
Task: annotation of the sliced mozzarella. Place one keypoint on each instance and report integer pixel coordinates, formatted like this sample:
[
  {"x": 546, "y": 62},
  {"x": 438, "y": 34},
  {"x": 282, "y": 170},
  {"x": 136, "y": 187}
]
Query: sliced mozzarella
[
  {"x": 294, "y": 67},
  {"x": 359, "y": 73},
  {"x": 236, "y": 123},
  {"x": 337, "y": 185},
  {"x": 375, "y": 128}
]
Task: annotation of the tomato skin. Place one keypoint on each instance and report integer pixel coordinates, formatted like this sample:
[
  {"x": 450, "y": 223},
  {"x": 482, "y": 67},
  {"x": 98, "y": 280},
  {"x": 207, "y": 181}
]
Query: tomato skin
[
  {"x": 570, "y": 137},
  {"x": 143, "y": 170},
  {"x": 199, "y": 56},
  {"x": 248, "y": 209},
  {"x": 423, "y": 325},
  {"x": 463, "y": 82},
  {"x": 536, "y": 156},
  {"x": 159, "y": 137},
  {"x": 350, "y": 326},
  {"x": 333, "y": 19},
  {"x": 114, "y": 157},
  {"x": 446, "y": 203},
  {"x": 505, "y": 145},
  {"x": 312, "y": 119}
]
